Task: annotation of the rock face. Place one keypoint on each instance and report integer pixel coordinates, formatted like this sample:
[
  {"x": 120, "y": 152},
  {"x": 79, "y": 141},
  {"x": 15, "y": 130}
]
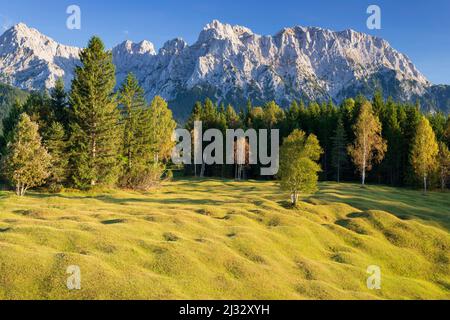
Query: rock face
[
  {"x": 232, "y": 64},
  {"x": 29, "y": 60}
]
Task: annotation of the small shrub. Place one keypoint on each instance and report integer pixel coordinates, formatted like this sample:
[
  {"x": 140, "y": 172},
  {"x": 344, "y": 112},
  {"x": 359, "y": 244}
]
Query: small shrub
[
  {"x": 143, "y": 180},
  {"x": 168, "y": 236},
  {"x": 274, "y": 222}
]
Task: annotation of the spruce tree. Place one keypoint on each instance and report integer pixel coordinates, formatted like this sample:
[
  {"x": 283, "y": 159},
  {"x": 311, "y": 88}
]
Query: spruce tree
[
  {"x": 59, "y": 103},
  {"x": 27, "y": 162},
  {"x": 135, "y": 153},
  {"x": 38, "y": 107},
  {"x": 95, "y": 130},
  {"x": 56, "y": 143},
  {"x": 9, "y": 123},
  {"x": 447, "y": 132},
  {"x": 339, "y": 149},
  {"x": 292, "y": 116},
  {"x": 378, "y": 103},
  {"x": 196, "y": 115},
  {"x": 444, "y": 164},
  {"x": 392, "y": 132}
]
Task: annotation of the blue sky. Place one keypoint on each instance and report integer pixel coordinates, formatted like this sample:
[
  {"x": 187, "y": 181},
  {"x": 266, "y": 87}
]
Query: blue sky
[{"x": 420, "y": 29}]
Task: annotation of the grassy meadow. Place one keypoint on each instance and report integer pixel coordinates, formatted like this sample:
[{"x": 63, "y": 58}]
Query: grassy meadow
[{"x": 220, "y": 239}]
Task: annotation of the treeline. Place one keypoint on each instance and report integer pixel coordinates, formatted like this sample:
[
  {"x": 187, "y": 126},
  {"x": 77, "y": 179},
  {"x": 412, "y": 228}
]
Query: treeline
[
  {"x": 90, "y": 136},
  {"x": 93, "y": 135},
  {"x": 376, "y": 140}
]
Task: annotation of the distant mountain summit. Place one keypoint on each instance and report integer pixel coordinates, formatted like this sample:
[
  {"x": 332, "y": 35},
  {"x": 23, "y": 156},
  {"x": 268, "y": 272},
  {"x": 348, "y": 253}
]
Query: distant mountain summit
[
  {"x": 30, "y": 60},
  {"x": 231, "y": 64}
]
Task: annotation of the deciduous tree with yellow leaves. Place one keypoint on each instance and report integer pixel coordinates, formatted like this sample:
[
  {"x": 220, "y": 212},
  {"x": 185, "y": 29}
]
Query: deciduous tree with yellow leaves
[
  {"x": 369, "y": 146},
  {"x": 424, "y": 151}
]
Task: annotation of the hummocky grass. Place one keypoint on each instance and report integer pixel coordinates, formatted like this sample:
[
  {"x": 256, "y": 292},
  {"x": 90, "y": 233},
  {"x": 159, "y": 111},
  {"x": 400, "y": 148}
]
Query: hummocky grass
[{"x": 220, "y": 239}]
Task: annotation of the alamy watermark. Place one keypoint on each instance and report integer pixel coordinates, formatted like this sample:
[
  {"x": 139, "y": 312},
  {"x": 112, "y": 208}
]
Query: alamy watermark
[
  {"x": 74, "y": 280},
  {"x": 241, "y": 147},
  {"x": 73, "y": 22},
  {"x": 374, "y": 20},
  {"x": 374, "y": 280}
]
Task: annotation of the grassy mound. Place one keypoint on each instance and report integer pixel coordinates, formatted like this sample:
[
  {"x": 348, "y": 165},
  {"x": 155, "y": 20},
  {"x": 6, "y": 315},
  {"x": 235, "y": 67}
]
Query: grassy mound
[{"x": 226, "y": 240}]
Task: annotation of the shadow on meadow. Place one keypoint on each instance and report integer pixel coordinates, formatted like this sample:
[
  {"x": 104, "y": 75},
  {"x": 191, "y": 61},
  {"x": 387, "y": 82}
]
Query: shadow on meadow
[
  {"x": 122, "y": 201},
  {"x": 405, "y": 204}
]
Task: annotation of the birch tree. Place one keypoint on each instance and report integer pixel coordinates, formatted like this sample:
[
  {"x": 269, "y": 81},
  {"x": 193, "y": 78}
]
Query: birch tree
[
  {"x": 299, "y": 169},
  {"x": 424, "y": 151},
  {"x": 369, "y": 146}
]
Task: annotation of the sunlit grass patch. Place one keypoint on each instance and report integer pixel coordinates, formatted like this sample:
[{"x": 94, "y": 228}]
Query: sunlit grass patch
[{"x": 220, "y": 239}]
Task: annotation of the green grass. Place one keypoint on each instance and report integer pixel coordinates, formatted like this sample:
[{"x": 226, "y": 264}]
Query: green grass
[{"x": 218, "y": 239}]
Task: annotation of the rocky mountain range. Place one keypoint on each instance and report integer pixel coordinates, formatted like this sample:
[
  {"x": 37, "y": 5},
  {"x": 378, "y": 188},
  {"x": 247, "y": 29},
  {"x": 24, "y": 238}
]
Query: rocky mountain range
[{"x": 231, "y": 64}]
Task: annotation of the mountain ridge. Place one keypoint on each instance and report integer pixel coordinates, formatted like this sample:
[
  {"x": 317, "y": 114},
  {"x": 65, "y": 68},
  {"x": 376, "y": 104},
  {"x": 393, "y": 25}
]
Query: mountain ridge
[{"x": 232, "y": 64}]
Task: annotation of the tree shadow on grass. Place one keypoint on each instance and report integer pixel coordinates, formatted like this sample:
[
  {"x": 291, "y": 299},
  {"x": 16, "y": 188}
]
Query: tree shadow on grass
[
  {"x": 404, "y": 204},
  {"x": 123, "y": 201},
  {"x": 114, "y": 221}
]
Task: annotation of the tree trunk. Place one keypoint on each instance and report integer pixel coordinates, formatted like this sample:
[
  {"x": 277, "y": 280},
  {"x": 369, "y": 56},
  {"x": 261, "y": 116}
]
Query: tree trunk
[
  {"x": 202, "y": 171},
  {"x": 424, "y": 183},
  {"x": 294, "y": 198},
  {"x": 363, "y": 176},
  {"x": 94, "y": 154},
  {"x": 130, "y": 161},
  {"x": 364, "y": 159},
  {"x": 338, "y": 172}
]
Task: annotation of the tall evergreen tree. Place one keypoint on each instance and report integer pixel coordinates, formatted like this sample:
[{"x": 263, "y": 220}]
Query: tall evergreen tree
[
  {"x": 196, "y": 115},
  {"x": 339, "y": 150},
  {"x": 38, "y": 107},
  {"x": 447, "y": 132},
  {"x": 424, "y": 151},
  {"x": 444, "y": 164},
  {"x": 369, "y": 146},
  {"x": 56, "y": 143},
  {"x": 59, "y": 104},
  {"x": 95, "y": 130},
  {"x": 27, "y": 162},
  {"x": 9, "y": 123},
  {"x": 292, "y": 117},
  {"x": 378, "y": 103},
  {"x": 392, "y": 132},
  {"x": 135, "y": 150}
]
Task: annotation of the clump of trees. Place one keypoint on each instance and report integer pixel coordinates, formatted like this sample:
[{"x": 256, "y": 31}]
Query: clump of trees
[
  {"x": 147, "y": 132},
  {"x": 91, "y": 136},
  {"x": 339, "y": 149},
  {"x": 376, "y": 135}
]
